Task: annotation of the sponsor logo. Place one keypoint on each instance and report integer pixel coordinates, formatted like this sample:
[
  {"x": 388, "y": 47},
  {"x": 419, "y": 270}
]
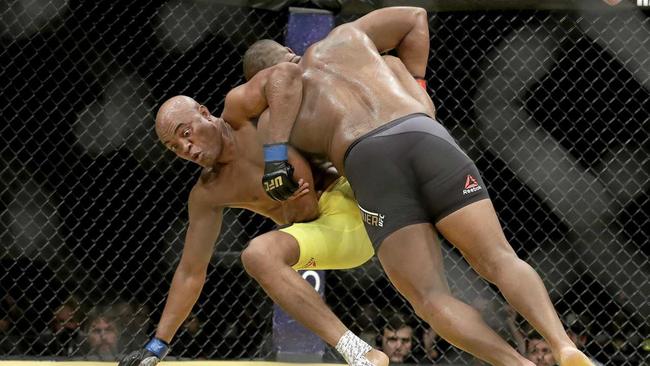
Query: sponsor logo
[
  {"x": 471, "y": 185},
  {"x": 310, "y": 264},
  {"x": 273, "y": 184},
  {"x": 372, "y": 218}
]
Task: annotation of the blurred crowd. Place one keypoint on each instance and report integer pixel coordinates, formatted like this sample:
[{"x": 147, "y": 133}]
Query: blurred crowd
[
  {"x": 407, "y": 340},
  {"x": 107, "y": 331}
]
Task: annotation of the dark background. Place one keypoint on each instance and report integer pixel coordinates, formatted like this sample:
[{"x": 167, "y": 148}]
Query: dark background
[{"x": 101, "y": 218}]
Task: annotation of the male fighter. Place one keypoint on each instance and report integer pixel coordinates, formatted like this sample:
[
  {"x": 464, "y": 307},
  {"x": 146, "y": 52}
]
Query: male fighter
[
  {"x": 233, "y": 165},
  {"x": 409, "y": 177}
]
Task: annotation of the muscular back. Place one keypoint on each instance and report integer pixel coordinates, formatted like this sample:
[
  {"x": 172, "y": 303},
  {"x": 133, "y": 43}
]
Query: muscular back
[{"x": 348, "y": 90}]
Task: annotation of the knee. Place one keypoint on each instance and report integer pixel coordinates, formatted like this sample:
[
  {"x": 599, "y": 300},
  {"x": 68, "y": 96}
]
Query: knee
[{"x": 255, "y": 257}]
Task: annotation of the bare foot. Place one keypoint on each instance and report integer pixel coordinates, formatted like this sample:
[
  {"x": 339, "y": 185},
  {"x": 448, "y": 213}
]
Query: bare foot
[
  {"x": 377, "y": 357},
  {"x": 573, "y": 357}
]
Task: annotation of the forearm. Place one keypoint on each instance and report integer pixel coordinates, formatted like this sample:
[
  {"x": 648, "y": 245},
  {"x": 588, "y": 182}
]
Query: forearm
[
  {"x": 283, "y": 92},
  {"x": 183, "y": 294},
  {"x": 413, "y": 50}
]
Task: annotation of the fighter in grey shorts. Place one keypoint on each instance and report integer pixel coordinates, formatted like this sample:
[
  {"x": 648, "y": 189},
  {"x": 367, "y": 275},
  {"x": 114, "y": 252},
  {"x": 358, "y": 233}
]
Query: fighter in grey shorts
[
  {"x": 442, "y": 180},
  {"x": 416, "y": 186}
]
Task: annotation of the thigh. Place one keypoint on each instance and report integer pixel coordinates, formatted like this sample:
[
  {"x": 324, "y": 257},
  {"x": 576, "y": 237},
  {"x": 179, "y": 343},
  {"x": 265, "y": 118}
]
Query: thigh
[
  {"x": 475, "y": 230},
  {"x": 337, "y": 239},
  {"x": 412, "y": 259}
]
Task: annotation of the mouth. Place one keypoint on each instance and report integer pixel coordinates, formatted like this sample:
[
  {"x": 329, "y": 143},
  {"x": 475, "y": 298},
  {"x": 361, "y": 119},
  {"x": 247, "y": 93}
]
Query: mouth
[{"x": 196, "y": 155}]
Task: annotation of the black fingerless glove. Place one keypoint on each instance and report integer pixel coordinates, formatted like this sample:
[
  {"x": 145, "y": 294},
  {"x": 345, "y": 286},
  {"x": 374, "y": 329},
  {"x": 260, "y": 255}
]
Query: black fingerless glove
[
  {"x": 154, "y": 351},
  {"x": 278, "y": 173}
]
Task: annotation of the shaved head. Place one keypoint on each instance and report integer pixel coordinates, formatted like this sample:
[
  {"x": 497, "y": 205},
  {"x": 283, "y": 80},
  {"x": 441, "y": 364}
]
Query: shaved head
[
  {"x": 174, "y": 109},
  {"x": 264, "y": 54},
  {"x": 189, "y": 130}
]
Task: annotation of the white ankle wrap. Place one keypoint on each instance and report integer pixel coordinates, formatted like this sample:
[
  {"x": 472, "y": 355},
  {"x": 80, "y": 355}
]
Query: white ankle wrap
[{"x": 353, "y": 349}]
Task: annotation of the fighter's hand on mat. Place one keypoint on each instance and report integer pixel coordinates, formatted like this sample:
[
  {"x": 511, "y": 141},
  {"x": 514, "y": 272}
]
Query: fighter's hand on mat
[
  {"x": 303, "y": 189},
  {"x": 154, "y": 351},
  {"x": 278, "y": 173}
]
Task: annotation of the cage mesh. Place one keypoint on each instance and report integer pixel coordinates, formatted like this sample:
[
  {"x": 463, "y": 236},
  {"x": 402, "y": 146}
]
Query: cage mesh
[{"x": 553, "y": 107}]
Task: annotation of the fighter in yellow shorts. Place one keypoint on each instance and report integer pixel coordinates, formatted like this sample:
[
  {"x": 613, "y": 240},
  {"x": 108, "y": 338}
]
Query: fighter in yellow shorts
[
  {"x": 337, "y": 238},
  {"x": 325, "y": 229}
]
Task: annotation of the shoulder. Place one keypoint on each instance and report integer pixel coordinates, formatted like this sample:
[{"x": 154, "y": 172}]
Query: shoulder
[
  {"x": 346, "y": 31},
  {"x": 208, "y": 190}
]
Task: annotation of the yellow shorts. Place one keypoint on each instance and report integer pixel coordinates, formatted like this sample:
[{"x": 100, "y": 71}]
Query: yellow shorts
[{"x": 337, "y": 239}]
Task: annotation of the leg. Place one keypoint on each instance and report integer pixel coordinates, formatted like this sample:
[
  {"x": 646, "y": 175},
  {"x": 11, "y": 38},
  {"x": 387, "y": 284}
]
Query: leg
[
  {"x": 268, "y": 259},
  {"x": 412, "y": 259},
  {"x": 476, "y": 232}
]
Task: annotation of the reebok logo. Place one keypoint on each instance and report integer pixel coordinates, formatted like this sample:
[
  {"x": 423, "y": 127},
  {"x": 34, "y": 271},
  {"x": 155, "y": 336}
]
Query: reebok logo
[
  {"x": 471, "y": 185},
  {"x": 372, "y": 218}
]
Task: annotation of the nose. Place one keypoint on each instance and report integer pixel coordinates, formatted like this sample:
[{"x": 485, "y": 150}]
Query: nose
[{"x": 187, "y": 149}]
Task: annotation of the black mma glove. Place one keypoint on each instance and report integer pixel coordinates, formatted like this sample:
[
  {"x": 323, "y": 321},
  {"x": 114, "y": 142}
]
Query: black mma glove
[
  {"x": 154, "y": 351},
  {"x": 278, "y": 173}
]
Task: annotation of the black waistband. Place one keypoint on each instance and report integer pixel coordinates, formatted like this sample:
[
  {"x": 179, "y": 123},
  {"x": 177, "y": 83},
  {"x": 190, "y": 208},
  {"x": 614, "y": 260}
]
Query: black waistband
[{"x": 380, "y": 129}]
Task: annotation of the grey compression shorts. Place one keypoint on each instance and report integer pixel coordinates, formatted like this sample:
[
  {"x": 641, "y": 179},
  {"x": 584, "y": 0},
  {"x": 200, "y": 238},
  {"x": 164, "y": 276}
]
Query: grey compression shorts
[{"x": 410, "y": 171}]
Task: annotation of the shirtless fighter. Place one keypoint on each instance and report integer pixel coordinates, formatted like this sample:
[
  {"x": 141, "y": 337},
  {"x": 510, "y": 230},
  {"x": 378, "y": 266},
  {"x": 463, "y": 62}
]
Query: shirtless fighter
[
  {"x": 233, "y": 166},
  {"x": 410, "y": 178}
]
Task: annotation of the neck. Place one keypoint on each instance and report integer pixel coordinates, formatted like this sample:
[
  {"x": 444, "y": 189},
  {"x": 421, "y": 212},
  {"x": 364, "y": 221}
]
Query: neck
[{"x": 229, "y": 140}]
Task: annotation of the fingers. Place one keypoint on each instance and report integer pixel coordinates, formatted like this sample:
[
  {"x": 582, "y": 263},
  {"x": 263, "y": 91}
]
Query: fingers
[{"x": 303, "y": 189}]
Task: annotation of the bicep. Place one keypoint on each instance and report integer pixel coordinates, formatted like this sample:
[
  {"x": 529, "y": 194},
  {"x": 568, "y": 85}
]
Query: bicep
[{"x": 245, "y": 102}]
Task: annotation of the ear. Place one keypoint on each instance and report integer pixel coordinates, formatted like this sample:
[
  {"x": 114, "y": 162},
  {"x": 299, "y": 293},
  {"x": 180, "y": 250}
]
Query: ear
[{"x": 204, "y": 111}]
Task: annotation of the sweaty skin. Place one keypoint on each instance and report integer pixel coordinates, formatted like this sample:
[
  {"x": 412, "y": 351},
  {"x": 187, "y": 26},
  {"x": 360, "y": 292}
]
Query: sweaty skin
[
  {"x": 232, "y": 162},
  {"x": 338, "y": 103},
  {"x": 347, "y": 91}
]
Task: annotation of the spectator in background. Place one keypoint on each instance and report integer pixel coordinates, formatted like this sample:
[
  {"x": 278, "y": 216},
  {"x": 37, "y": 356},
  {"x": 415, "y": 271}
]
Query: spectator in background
[
  {"x": 538, "y": 351},
  {"x": 64, "y": 335},
  {"x": 397, "y": 340},
  {"x": 430, "y": 340},
  {"x": 132, "y": 319},
  {"x": 10, "y": 341},
  {"x": 512, "y": 323},
  {"x": 365, "y": 321},
  {"x": 191, "y": 342},
  {"x": 579, "y": 334},
  {"x": 102, "y": 335}
]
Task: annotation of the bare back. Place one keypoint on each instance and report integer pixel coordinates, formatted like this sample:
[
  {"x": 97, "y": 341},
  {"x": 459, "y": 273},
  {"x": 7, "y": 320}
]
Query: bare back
[{"x": 348, "y": 90}]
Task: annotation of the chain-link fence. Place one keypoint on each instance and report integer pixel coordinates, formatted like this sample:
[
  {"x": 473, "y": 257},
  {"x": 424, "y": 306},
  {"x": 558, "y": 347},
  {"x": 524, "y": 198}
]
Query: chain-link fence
[{"x": 552, "y": 105}]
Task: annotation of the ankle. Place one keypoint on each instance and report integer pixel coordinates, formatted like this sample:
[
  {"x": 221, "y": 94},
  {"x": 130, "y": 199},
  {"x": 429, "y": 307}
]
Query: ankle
[{"x": 352, "y": 347}]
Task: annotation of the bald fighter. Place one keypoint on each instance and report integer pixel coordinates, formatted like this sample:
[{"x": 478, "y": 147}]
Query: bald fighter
[
  {"x": 410, "y": 178},
  {"x": 331, "y": 235}
]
